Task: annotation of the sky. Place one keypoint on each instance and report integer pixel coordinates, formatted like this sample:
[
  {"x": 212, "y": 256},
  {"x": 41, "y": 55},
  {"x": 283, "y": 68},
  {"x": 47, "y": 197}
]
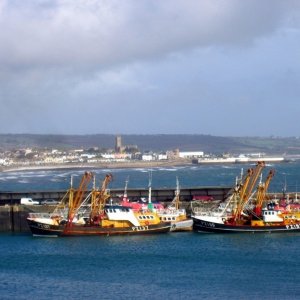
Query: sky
[{"x": 217, "y": 67}]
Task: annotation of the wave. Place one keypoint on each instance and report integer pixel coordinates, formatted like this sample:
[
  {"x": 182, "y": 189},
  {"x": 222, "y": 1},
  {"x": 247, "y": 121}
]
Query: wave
[
  {"x": 11, "y": 177},
  {"x": 168, "y": 169},
  {"x": 24, "y": 181}
]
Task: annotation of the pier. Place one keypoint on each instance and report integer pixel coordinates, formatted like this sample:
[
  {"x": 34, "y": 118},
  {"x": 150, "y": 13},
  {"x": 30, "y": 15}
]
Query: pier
[{"x": 13, "y": 215}]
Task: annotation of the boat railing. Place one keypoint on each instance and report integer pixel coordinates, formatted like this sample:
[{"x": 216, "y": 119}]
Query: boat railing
[
  {"x": 171, "y": 211},
  {"x": 205, "y": 212},
  {"x": 39, "y": 215}
]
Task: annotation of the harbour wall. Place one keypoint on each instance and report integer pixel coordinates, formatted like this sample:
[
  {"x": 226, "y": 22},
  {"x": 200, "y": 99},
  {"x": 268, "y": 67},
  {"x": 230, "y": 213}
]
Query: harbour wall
[
  {"x": 13, "y": 218},
  {"x": 162, "y": 194},
  {"x": 13, "y": 215}
]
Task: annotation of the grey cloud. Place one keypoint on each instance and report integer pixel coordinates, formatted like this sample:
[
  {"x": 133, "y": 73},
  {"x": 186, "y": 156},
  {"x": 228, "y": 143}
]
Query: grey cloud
[
  {"x": 101, "y": 33},
  {"x": 89, "y": 66}
]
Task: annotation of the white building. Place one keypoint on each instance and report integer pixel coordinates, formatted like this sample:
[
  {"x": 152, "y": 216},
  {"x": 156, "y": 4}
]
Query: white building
[
  {"x": 191, "y": 154},
  {"x": 5, "y": 162},
  {"x": 147, "y": 157},
  {"x": 162, "y": 156},
  {"x": 87, "y": 156}
]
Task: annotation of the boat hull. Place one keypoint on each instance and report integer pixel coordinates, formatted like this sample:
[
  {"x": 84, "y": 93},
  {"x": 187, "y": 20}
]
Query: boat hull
[
  {"x": 184, "y": 225},
  {"x": 41, "y": 229},
  {"x": 207, "y": 226}
]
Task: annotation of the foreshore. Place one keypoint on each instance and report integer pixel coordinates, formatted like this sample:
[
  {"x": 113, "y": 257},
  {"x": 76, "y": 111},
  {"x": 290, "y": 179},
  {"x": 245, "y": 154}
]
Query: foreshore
[{"x": 109, "y": 165}]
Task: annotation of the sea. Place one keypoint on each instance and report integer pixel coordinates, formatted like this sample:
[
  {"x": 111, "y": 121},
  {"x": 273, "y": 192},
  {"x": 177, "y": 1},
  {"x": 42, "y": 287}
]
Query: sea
[{"x": 183, "y": 265}]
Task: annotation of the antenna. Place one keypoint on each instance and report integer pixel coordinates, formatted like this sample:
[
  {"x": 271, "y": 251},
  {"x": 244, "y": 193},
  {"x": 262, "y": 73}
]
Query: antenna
[
  {"x": 284, "y": 187},
  {"x": 125, "y": 189},
  {"x": 260, "y": 180},
  {"x": 94, "y": 182},
  {"x": 149, "y": 186},
  {"x": 177, "y": 186}
]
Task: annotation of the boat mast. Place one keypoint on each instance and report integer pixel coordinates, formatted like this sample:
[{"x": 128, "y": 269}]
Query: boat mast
[
  {"x": 71, "y": 195},
  {"x": 150, "y": 205},
  {"x": 177, "y": 193},
  {"x": 247, "y": 187},
  {"x": 125, "y": 189},
  {"x": 79, "y": 196},
  {"x": 100, "y": 197},
  {"x": 261, "y": 192},
  {"x": 150, "y": 188}
]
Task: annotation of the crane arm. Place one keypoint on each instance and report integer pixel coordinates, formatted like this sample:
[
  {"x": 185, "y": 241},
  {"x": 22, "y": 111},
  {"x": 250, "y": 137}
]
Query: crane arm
[
  {"x": 251, "y": 180},
  {"x": 76, "y": 201},
  {"x": 99, "y": 197},
  {"x": 261, "y": 192},
  {"x": 257, "y": 171}
]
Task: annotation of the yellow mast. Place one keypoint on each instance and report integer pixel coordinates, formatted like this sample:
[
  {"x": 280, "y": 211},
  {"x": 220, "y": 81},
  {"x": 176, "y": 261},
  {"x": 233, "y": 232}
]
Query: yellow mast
[
  {"x": 76, "y": 201},
  {"x": 99, "y": 197},
  {"x": 247, "y": 188},
  {"x": 261, "y": 192},
  {"x": 63, "y": 205}
]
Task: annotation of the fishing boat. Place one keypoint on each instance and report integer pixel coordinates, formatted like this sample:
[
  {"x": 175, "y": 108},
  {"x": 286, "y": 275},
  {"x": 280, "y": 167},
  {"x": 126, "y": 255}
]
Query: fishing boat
[
  {"x": 91, "y": 215},
  {"x": 245, "y": 210},
  {"x": 143, "y": 203},
  {"x": 176, "y": 215},
  {"x": 173, "y": 213}
]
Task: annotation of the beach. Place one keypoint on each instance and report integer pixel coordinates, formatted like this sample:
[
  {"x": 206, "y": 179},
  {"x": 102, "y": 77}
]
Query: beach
[{"x": 106, "y": 165}]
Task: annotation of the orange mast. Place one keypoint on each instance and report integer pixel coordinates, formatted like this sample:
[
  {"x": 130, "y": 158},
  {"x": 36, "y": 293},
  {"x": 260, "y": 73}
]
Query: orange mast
[
  {"x": 76, "y": 201},
  {"x": 247, "y": 188},
  {"x": 261, "y": 192},
  {"x": 99, "y": 197}
]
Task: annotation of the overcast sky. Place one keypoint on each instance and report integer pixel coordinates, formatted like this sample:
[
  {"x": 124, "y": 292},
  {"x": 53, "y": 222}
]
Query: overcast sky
[{"x": 219, "y": 67}]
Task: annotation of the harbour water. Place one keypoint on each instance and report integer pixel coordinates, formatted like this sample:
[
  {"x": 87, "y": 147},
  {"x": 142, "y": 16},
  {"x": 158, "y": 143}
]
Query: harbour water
[
  {"x": 167, "y": 266},
  {"x": 287, "y": 174}
]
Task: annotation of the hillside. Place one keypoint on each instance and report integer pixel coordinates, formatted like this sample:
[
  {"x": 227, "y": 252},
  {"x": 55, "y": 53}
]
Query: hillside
[{"x": 159, "y": 142}]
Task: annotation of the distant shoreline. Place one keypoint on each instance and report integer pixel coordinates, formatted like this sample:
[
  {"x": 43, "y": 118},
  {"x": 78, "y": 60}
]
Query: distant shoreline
[{"x": 117, "y": 165}]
